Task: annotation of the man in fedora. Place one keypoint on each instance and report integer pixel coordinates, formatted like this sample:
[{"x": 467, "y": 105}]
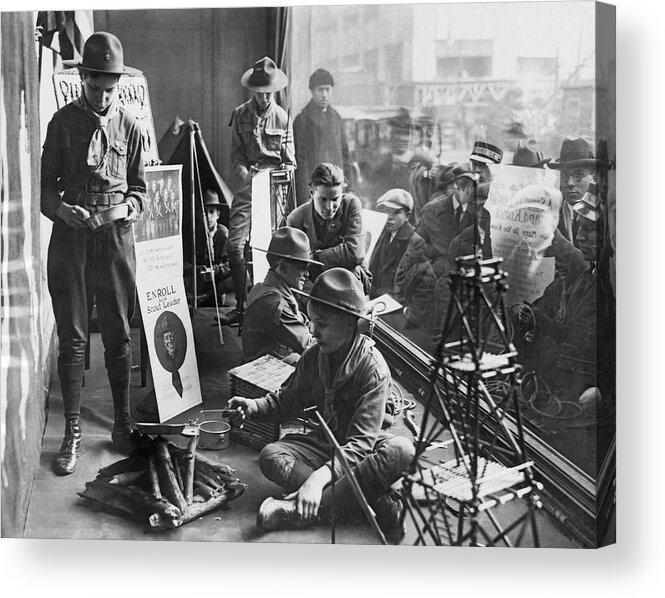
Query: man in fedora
[
  {"x": 528, "y": 155},
  {"x": 273, "y": 322},
  {"x": 578, "y": 165},
  {"x": 212, "y": 261},
  {"x": 347, "y": 380},
  {"x": 261, "y": 138},
  {"x": 93, "y": 160},
  {"x": 319, "y": 135},
  {"x": 482, "y": 156}
]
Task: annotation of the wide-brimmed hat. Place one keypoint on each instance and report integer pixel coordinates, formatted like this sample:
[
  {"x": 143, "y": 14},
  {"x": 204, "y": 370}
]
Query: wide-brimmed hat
[
  {"x": 486, "y": 153},
  {"x": 578, "y": 151},
  {"x": 340, "y": 289},
  {"x": 526, "y": 156},
  {"x": 211, "y": 199},
  {"x": 264, "y": 77},
  {"x": 291, "y": 243},
  {"x": 165, "y": 324},
  {"x": 395, "y": 199},
  {"x": 102, "y": 53}
]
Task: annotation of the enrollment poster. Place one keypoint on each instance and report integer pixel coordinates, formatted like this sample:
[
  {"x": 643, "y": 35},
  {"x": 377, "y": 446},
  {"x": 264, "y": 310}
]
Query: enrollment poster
[{"x": 161, "y": 292}]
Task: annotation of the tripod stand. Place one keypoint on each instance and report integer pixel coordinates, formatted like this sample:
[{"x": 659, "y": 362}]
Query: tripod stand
[{"x": 452, "y": 499}]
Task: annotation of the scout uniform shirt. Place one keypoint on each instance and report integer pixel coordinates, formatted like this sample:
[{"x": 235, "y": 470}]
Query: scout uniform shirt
[{"x": 263, "y": 140}]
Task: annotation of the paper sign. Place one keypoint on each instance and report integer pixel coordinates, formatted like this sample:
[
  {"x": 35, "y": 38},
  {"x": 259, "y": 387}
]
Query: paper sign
[
  {"x": 133, "y": 96},
  {"x": 161, "y": 293},
  {"x": 373, "y": 223},
  {"x": 522, "y": 227},
  {"x": 261, "y": 225},
  {"x": 385, "y": 304}
]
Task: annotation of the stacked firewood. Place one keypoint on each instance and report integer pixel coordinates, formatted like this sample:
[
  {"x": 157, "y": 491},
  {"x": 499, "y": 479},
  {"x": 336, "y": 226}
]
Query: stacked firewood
[{"x": 164, "y": 486}]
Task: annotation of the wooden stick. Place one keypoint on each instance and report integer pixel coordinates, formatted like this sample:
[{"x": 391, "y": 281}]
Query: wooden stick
[
  {"x": 133, "y": 463},
  {"x": 190, "y": 462},
  {"x": 134, "y": 502},
  {"x": 198, "y": 509},
  {"x": 154, "y": 479},
  {"x": 178, "y": 476},
  {"x": 167, "y": 480},
  {"x": 216, "y": 465}
]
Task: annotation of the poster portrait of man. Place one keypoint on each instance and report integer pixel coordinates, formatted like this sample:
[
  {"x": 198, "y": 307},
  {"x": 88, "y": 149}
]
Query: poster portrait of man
[{"x": 170, "y": 342}]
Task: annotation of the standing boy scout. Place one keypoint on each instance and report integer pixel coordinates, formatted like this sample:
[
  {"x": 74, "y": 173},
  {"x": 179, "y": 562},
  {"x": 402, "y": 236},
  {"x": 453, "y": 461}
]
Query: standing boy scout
[
  {"x": 261, "y": 138},
  {"x": 93, "y": 160}
]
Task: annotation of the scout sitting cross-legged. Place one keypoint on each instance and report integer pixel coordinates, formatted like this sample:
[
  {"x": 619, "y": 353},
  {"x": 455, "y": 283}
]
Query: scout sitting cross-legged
[{"x": 347, "y": 380}]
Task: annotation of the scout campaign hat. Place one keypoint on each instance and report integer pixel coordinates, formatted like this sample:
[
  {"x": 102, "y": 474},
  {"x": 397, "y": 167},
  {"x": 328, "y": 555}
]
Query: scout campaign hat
[
  {"x": 486, "y": 153},
  {"x": 577, "y": 151},
  {"x": 291, "y": 243},
  {"x": 525, "y": 156},
  {"x": 395, "y": 199},
  {"x": 211, "y": 199},
  {"x": 339, "y": 288},
  {"x": 102, "y": 53},
  {"x": 264, "y": 77}
]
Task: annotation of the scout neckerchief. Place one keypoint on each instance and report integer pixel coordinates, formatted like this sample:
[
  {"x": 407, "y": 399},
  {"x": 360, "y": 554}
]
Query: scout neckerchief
[
  {"x": 330, "y": 386},
  {"x": 99, "y": 143}
]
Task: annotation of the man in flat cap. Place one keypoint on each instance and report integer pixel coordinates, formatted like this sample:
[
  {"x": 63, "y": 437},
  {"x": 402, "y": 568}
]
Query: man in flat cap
[
  {"x": 92, "y": 161},
  {"x": 320, "y": 135},
  {"x": 274, "y": 323},
  {"x": 346, "y": 379},
  {"x": 261, "y": 138}
]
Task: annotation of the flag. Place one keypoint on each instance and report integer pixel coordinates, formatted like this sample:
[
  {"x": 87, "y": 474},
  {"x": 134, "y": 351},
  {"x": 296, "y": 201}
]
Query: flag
[{"x": 65, "y": 31}]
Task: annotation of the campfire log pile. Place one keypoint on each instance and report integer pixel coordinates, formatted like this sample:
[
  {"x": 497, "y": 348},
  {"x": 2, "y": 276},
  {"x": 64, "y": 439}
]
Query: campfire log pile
[{"x": 164, "y": 486}]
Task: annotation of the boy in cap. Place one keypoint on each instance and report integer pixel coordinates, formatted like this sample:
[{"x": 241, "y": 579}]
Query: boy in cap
[
  {"x": 397, "y": 240},
  {"x": 320, "y": 135},
  {"x": 93, "y": 160},
  {"x": 273, "y": 322},
  {"x": 347, "y": 380},
  {"x": 261, "y": 138}
]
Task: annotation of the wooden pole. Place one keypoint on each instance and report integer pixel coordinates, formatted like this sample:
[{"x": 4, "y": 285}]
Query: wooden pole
[
  {"x": 190, "y": 460},
  {"x": 167, "y": 479}
]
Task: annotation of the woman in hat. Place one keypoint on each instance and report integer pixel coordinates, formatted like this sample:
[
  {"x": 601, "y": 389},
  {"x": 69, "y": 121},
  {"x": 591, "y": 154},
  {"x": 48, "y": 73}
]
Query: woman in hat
[
  {"x": 93, "y": 160},
  {"x": 347, "y": 380},
  {"x": 273, "y": 321},
  {"x": 261, "y": 138}
]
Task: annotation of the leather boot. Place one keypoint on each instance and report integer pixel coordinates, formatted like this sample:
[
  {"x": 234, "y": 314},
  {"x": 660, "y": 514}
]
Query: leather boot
[
  {"x": 70, "y": 450},
  {"x": 124, "y": 437},
  {"x": 276, "y": 514}
]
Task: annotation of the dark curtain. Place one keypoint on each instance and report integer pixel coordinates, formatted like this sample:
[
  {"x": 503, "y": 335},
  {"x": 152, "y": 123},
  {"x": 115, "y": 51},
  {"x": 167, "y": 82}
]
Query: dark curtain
[
  {"x": 278, "y": 28},
  {"x": 26, "y": 348}
]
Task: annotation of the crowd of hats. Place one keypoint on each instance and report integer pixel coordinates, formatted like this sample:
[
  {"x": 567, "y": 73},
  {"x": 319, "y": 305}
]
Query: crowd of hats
[{"x": 337, "y": 287}]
